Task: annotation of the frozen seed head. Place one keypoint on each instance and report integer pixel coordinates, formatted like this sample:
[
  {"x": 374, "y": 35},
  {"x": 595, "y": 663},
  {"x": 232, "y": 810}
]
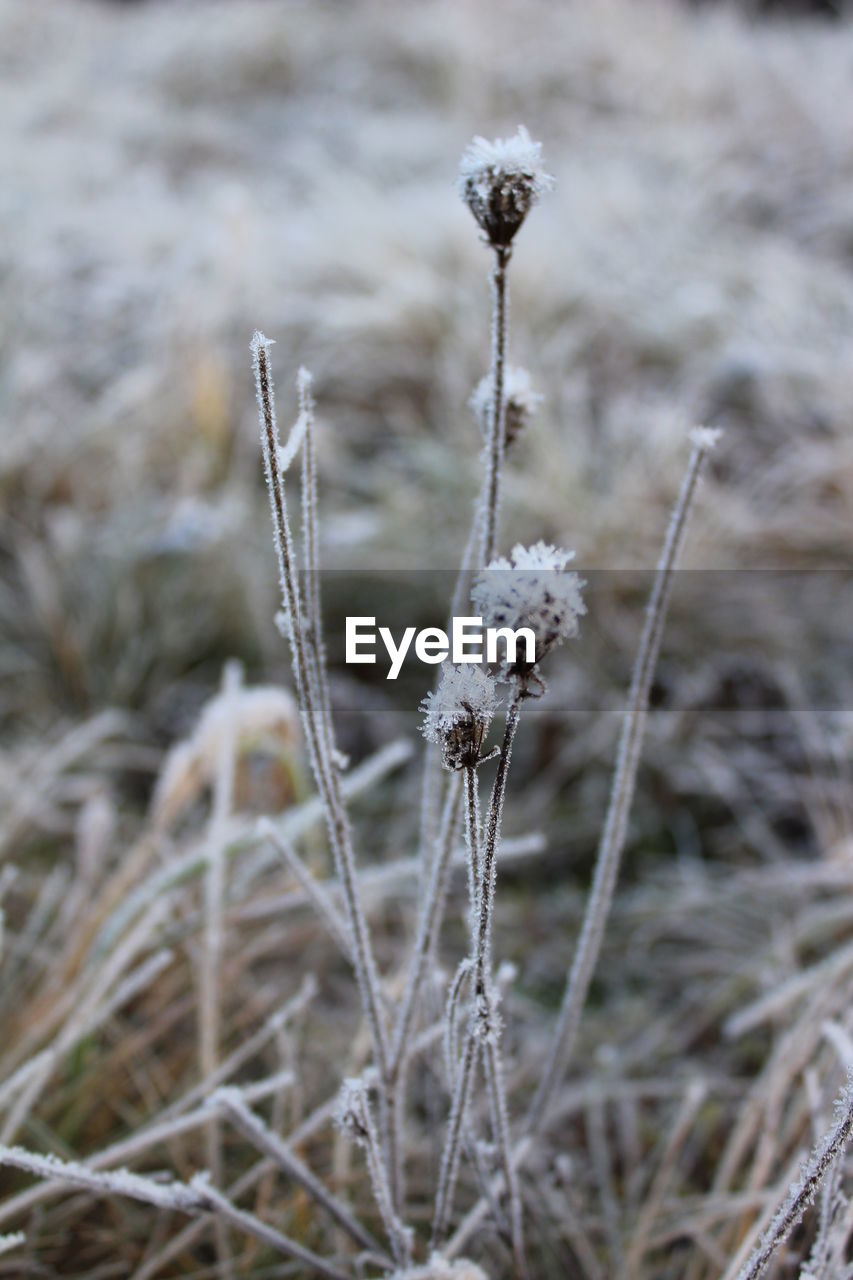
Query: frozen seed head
[
  {"x": 458, "y": 714},
  {"x": 520, "y": 400},
  {"x": 531, "y": 589},
  {"x": 501, "y": 181}
]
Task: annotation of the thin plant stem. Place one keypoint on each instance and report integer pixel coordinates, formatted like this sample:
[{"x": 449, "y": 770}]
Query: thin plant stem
[
  {"x": 472, "y": 837},
  {"x": 429, "y": 925},
  {"x": 325, "y": 776},
  {"x": 621, "y": 793},
  {"x": 497, "y": 412},
  {"x": 488, "y": 869},
  {"x": 454, "y": 998},
  {"x": 311, "y": 545},
  {"x": 479, "y": 1024},
  {"x": 359, "y": 1122}
]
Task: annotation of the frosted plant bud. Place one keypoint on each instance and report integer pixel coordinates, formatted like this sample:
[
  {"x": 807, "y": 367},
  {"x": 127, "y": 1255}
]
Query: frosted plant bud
[
  {"x": 531, "y": 589},
  {"x": 350, "y": 1110},
  {"x": 520, "y": 401},
  {"x": 457, "y": 716},
  {"x": 501, "y": 181}
]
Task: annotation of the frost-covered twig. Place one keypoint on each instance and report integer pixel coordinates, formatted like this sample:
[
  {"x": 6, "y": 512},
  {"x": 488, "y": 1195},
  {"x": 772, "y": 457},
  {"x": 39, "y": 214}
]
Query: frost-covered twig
[
  {"x": 232, "y": 1101},
  {"x": 355, "y": 1118},
  {"x": 454, "y": 999},
  {"x": 313, "y": 621},
  {"x": 163, "y": 1195},
  {"x": 479, "y": 1025},
  {"x": 497, "y": 412},
  {"x": 324, "y": 771},
  {"x": 622, "y": 790},
  {"x": 804, "y": 1190}
]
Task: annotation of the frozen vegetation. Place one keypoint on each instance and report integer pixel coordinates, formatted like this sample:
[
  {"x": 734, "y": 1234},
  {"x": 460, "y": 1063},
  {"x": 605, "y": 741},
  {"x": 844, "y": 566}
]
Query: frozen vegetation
[{"x": 535, "y": 971}]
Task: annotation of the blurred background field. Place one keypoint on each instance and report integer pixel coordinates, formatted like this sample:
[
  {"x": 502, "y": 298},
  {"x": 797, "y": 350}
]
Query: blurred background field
[{"x": 175, "y": 175}]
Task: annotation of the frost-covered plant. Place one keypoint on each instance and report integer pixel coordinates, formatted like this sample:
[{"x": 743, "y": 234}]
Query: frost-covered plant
[
  {"x": 531, "y": 588},
  {"x": 500, "y": 181},
  {"x": 354, "y": 1117},
  {"x": 521, "y": 403},
  {"x": 458, "y": 714}
]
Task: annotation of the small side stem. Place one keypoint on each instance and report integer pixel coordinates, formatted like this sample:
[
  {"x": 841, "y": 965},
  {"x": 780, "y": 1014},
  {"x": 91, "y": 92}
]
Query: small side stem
[
  {"x": 325, "y": 775},
  {"x": 311, "y": 544}
]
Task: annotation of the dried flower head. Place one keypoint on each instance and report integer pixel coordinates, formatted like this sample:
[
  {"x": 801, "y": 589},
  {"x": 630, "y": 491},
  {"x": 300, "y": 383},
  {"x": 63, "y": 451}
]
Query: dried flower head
[
  {"x": 520, "y": 400},
  {"x": 531, "y": 589},
  {"x": 500, "y": 181},
  {"x": 458, "y": 714}
]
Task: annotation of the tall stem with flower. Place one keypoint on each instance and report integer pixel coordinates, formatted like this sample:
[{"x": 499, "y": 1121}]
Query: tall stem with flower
[{"x": 531, "y": 590}]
